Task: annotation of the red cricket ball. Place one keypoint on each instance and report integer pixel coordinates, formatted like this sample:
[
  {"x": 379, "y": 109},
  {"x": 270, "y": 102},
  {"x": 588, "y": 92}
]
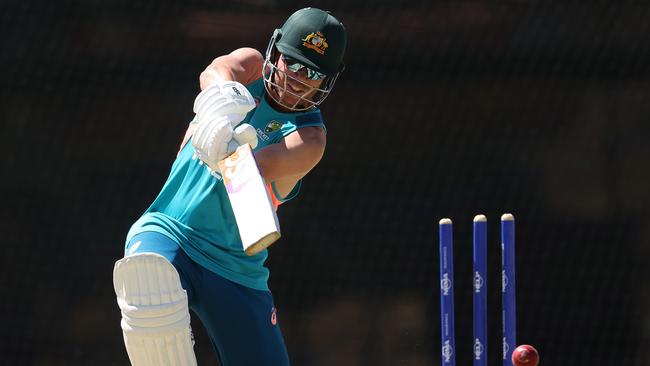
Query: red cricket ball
[{"x": 525, "y": 355}]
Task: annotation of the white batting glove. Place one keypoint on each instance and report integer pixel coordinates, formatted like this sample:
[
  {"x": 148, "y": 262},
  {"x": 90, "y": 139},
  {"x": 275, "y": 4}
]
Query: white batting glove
[
  {"x": 210, "y": 141},
  {"x": 243, "y": 134},
  {"x": 228, "y": 99}
]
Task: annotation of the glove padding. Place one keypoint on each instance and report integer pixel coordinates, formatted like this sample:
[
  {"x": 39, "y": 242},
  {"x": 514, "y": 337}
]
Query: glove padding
[
  {"x": 228, "y": 99},
  {"x": 213, "y": 141},
  {"x": 210, "y": 140},
  {"x": 219, "y": 108},
  {"x": 243, "y": 134}
]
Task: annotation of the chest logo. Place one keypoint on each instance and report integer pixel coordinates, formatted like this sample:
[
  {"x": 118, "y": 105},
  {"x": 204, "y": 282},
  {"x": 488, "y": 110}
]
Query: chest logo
[{"x": 272, "y": 126}]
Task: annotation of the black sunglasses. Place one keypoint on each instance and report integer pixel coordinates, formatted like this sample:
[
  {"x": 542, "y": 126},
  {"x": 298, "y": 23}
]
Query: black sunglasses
[{"x": 295, "y": 66}]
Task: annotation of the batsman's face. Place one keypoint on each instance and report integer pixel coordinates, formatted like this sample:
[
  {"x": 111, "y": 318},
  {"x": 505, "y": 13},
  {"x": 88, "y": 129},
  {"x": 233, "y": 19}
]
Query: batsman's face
[{"x": 297, "y": 85}]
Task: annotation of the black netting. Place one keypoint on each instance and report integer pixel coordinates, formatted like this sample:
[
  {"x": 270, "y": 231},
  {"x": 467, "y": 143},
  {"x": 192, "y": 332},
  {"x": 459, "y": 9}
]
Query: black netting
[{"x": 446, "y": 109}]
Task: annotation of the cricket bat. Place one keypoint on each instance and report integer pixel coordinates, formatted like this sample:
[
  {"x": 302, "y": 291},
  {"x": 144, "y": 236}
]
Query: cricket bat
[{"x": 254, "y": 212}]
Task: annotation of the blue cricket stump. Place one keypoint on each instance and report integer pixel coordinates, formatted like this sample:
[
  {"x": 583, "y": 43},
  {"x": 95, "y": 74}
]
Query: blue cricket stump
[
  {"x": 508, "y": 287},
  {"x": 480, "y": 321},
  {"x": 480, "y": 290},
  {"x": 447, "y": 293}
]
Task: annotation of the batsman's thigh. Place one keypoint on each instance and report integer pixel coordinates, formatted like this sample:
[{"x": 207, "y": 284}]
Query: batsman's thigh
[
  {"x": 242, "y": 323},
  {"x": 155, "y": 312}
]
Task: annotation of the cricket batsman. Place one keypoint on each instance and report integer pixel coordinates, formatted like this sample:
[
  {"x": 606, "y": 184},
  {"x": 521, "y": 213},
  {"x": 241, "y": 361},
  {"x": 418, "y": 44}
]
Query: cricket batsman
[{"x": 185, "y": 251}]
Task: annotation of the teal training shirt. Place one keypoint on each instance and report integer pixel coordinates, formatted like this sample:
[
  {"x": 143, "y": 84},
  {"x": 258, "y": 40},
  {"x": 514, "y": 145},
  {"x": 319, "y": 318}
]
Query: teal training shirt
[{"x": 193, "y": 207}]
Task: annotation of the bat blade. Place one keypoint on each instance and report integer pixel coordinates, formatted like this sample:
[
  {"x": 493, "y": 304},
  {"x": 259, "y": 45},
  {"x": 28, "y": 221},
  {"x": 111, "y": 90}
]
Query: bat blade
[{"x": 254, "y": 212}]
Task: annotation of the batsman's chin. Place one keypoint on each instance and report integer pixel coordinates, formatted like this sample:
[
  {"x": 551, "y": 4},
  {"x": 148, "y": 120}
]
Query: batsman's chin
[
  {"x": 283, "y": 96},
  {"x": 298, "y": 96},
  {"x": 287, "y": 98},
  {"x": 296, "y": 90}
]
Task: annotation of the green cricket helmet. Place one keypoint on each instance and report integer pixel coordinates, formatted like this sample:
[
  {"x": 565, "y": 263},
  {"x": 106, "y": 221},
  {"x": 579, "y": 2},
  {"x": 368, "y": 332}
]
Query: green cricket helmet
[{"x": 314, "y": 39}]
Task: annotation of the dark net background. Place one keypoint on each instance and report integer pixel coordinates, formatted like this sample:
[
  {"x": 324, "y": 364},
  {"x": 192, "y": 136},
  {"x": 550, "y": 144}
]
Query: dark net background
[{"x": 446, "y": 109}]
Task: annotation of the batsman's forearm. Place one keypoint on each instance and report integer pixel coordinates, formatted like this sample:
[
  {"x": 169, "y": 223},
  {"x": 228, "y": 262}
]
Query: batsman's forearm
[
  {"x": 186, "y": 138},
  {"x": 243, "y": 65},
  {"x": 276, "y": 162},
  {"x": 212, "y": 74},
  {"x": 294, "y": 156}
]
